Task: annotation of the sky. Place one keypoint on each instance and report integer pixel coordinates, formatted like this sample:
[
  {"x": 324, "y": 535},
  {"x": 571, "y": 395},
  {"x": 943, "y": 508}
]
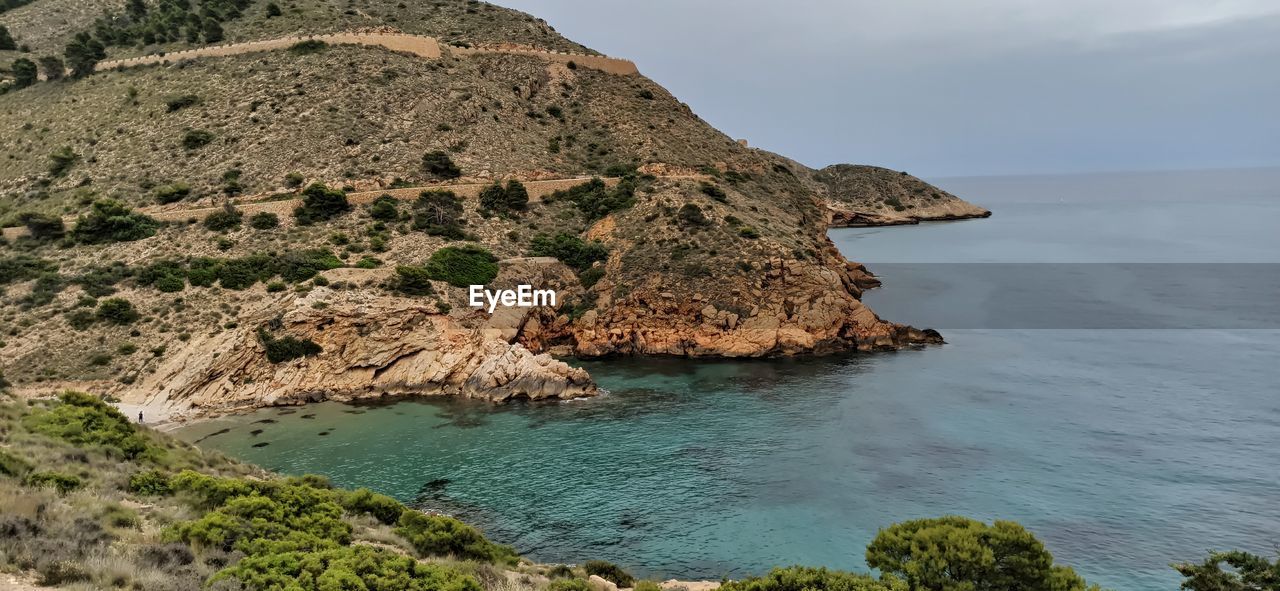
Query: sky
[{"x": 946, "y": 88}]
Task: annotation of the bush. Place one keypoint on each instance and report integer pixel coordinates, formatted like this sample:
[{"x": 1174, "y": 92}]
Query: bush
[
  {"x": 43, "y": 226},
  {"x": 172, "y": 193},
  {"x": 24, "y": 267},
  {"x": 112, "y": 221},
  {"x": 61, "y": 161},
  {"x": 748, "y": 232},
  {"x": 24, "y": 72},
  {"x": 83, "y": 419},
  {"x": 437, "y": 535},
  {"x": 65, "y": 483},
  {"x": 11, "y": 465},
  {"x": 385, "y": 208},
  {"x": 803, "y": 578},
  {"x": 440, "y": 165},
  {"x": 569, "y": 249},
  {"x": 307, "y": 47},
  {"x": 52, "y": 67},
  {"x": 609, "y": 572},
  {"x": 244, "y": 272},
  {"x": 513, "y": 197},
  {"x": 150, "y": 483},
  {"x": 569, "y": 585},
  {"x": 439, "y": 213},
  {"x": 228, "y": 218},
  {"x": 320, "y": 203},
  {"x": 300, "y": 265},
  {"x": 293, "y": 180},
  {"x": 412, "y": 280},
  {"x": 273, "y": 10},
  {"x": 182, "y": 101},
  {"x": 381, "y": 507},
  {"x": 714, "y": 192},
  {"x": 264, "y": 220},
  {"x": 462, "y": 266},
  {"x": 117, "y": 311},
  {"x": 595, "y": 200},
  {"x": 958, "y": 553},
  {"x": 691, "y": 215},
  {"x": 195, "y": 139},
  {"x": 287, "y": 348}
]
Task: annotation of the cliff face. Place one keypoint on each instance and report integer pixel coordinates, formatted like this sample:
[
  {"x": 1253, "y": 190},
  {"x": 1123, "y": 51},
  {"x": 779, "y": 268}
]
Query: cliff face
[
  {"x": 873, "y": 196},
  {"x": 372, "y": 347}
]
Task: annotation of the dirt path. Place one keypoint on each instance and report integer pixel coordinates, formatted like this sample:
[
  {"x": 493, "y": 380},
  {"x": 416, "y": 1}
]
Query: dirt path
[{"x": 418, "y": 45}]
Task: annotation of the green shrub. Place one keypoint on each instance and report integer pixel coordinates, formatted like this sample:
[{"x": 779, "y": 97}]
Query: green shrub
[
  {"x": 437, "y": 535},
  {"x": 595, "y": 200},
  {"x": 23, "y": 267},
  {"x": 112, "y": 221},
  {"x": 439, "y": 213},
  {"x": 462, "y": 266},
  {"x": 569, "y": 585},
  {"x": 338, "y": 569},
  {"x": 569, "y": 249},
  {"x": 412, "y": 280},
  {"x": 560, "y": 571},
  {"x": 748, "y": 232},
  {"x": 264, "y": 220},
  {"x": 275, "y": 287},
  {"x": 117, "y": 311},
  {"x": 83, "y": 419},
  {"x": 11, "y": 465},
  {"x": 609, "y": 572},
  {"x": 6, "y": 40},
  {"x": 172, "y": 193},
  {"x": 294, "y": 180},
  {"x": 61, "y": 161},
  {"x": 440, "y": 165},
  {"x": 287, "y": 348},
  {"x": 227, "y": 218},
  {"x": 273, "y": 10},
  {"x": 244, "y": 272},
  {"x": 307, "y": 47},
  {"x": 381, "y": 507},
  {"x": 43, "y": 226},
  {"x": 300, "y": 265},
  {"x": 385, "y": 208},
  {"x": 513, "y": 197},
  {"x": 181, "y": 101},
  {"x": 960, "y": 553},
  {"x": 194, "y": 139},
  {"x": 65, "y": 483},
  {"x": 691, "y": 215},
  {"x": 714, "y": 192},
  {"x": 25, "y": 73},
  {"x": 368, "y": 263},
  {"x": 150, "y": 483},
  {"x": 320, "y": 203},
  {"x": 803, "y": 578}
]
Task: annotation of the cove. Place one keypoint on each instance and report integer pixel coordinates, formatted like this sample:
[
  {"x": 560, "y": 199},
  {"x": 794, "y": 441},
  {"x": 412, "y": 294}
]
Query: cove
[{"x": 1123, "y": 450}]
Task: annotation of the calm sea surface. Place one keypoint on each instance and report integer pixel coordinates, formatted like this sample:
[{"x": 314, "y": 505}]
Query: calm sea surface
[{"x": 1123, "y": 449}]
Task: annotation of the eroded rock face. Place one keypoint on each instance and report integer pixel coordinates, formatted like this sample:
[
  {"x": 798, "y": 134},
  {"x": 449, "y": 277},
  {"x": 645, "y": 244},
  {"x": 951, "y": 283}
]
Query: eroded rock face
[
  {"x": 373, "y": 346},
  {"x": 795, "y": 308}
]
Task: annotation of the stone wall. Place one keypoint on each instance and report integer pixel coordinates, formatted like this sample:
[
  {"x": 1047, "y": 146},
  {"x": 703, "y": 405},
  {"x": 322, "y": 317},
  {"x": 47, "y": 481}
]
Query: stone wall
[{"x": 419, "y": 45}]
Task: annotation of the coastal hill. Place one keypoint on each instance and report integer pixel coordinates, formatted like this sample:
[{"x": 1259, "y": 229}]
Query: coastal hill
[{"x": 279, "y": 221}]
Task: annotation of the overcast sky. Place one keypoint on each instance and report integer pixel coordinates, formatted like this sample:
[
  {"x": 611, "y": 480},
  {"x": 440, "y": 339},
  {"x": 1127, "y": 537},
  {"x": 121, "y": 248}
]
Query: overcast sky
[{"x": 946, "y": 88}]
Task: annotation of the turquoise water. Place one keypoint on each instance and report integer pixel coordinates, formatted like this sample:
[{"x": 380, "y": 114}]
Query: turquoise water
[{"x": 1124, "y": 450}]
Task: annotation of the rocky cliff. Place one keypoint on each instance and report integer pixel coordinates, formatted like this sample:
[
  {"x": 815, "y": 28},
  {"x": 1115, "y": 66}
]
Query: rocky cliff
[{"x": 873, "y": 196}]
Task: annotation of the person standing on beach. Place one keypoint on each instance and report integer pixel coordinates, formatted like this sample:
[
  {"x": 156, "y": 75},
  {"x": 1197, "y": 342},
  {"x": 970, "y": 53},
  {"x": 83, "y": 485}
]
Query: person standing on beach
[{"x": 140, "y": 417}]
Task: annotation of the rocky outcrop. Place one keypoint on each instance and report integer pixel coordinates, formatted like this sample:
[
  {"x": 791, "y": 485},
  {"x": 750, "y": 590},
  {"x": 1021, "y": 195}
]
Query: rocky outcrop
[
  {"x": 858, "y": 196},
  {"x": 795, "y": 307},
  {"x": 372, "y": 346}
]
